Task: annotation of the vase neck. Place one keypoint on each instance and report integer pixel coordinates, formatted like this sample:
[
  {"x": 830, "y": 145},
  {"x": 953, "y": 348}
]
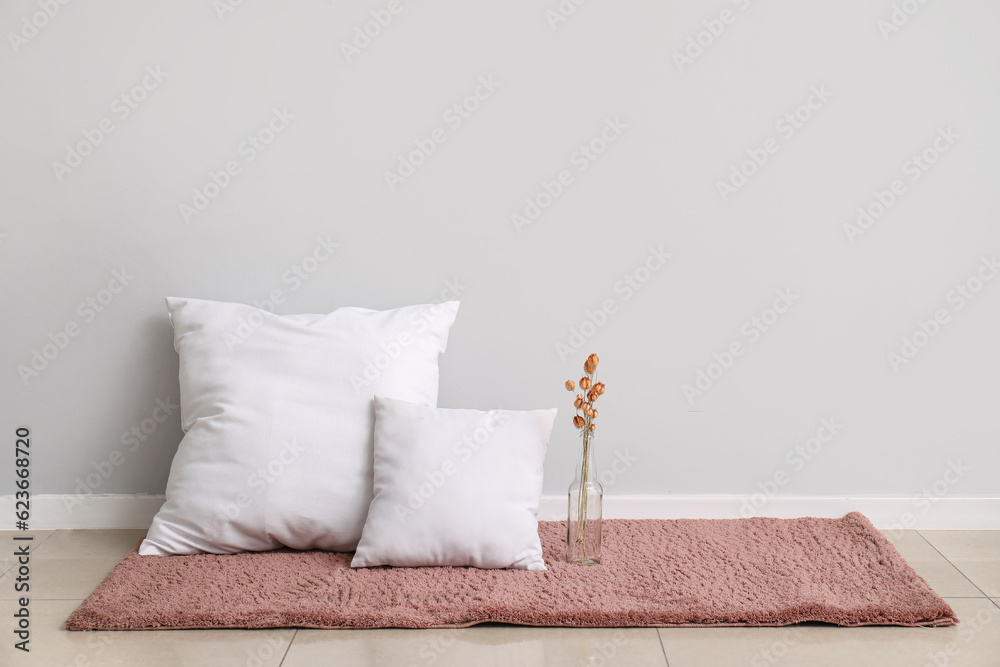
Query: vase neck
[{"x": 587, "y": 455}]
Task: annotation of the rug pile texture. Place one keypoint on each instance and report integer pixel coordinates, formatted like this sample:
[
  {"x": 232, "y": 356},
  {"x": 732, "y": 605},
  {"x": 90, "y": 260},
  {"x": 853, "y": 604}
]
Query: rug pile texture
[{"x": 686, "y": 572}]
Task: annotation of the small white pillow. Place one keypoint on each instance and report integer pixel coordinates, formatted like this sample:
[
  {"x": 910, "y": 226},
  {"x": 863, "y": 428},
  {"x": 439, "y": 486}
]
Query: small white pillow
[
  {"x": 455, "y": 487},
  {"x": 277, "y": 412}
]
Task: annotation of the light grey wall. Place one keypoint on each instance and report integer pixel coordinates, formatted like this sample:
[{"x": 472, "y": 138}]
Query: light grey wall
[{"x": 880, "y": 96}]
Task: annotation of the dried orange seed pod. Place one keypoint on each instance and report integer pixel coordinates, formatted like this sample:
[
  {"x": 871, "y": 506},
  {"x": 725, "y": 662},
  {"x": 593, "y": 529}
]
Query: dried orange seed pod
[
  {"x": 591, "y": 395},
  {"x": 599, "y": 388},
  {"x": 585, "y": 382},
  {"x": 570, "y": 385},
  {"x": 578, "y": 421}
]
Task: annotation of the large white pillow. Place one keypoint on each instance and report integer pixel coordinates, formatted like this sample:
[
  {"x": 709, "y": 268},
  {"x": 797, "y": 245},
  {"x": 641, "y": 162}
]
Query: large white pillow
[
  {"x": 277, "y": 414},
  {"x": 455, "y": 487}
]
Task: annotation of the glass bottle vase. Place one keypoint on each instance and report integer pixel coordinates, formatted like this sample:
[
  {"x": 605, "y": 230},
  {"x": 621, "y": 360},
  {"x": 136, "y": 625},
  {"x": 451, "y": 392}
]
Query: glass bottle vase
[{"x": 586, "y": 497}]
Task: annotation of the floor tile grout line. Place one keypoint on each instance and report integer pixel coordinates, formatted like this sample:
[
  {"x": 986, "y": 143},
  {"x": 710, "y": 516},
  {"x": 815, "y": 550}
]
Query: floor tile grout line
[
  {"x": 957, "y": 569},
  {"x": 967, "y": 578},
  {"x": 963, "y": 597},
  {"x": 929, "y": 543},
  {"x": 971, "y": 582},
  {"x": 288, "y": 648},
  {"x": 996, "y": 557},
  {"x": 34, "y": 547},
  {"x": 662, "y": 647}
]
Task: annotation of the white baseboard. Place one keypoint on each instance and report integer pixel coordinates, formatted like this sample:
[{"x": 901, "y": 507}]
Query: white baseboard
[
  {"x": 56, "y": 512},
  {"x": 83, "y": 511}
]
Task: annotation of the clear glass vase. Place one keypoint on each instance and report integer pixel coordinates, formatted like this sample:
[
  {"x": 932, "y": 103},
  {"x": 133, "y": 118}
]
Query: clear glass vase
[{"x": 586, "y": 497}]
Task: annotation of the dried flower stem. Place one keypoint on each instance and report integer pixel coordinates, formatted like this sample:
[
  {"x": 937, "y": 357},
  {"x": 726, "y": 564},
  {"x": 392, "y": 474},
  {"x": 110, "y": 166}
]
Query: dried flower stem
[{"x": 581, "y": 513}]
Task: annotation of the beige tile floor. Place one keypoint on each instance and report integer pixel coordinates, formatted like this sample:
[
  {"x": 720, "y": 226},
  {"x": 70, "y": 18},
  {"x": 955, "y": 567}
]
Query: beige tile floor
[{"x": 962, "y": 566}]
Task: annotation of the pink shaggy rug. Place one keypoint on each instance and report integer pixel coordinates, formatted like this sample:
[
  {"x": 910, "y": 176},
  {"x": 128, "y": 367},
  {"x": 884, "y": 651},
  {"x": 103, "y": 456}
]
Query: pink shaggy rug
[{"x": 688, "y": 572}]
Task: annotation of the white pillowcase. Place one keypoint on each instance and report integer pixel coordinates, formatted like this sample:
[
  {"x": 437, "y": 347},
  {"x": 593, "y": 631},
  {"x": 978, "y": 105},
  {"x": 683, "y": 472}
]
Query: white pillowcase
[
  {"x": 277, "y": 412},
  {"x": 455, "y": 487}
]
